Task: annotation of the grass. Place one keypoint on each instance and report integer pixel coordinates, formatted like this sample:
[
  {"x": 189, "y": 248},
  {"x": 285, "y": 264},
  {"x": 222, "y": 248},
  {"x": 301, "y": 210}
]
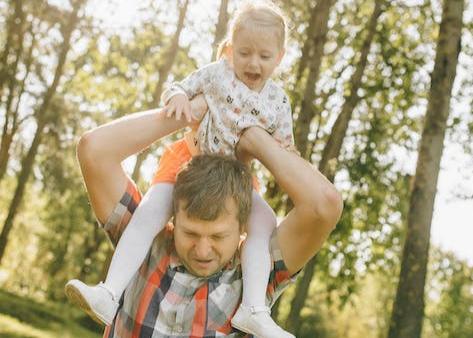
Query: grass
[{"x": 26, "y": 318}]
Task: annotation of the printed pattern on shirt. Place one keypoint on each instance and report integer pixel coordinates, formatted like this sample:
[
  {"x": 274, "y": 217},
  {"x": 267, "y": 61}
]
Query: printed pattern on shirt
[{"x": 233, "y": 107}]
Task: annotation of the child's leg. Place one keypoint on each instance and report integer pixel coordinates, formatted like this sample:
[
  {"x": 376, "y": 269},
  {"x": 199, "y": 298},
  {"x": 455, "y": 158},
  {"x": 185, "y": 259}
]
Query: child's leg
[
  {"x": 253, "y": 316},
  {"x": 101, "y": 301},
  {"x": 149, "y": 218},
  {"x": 255, "y": 258}
]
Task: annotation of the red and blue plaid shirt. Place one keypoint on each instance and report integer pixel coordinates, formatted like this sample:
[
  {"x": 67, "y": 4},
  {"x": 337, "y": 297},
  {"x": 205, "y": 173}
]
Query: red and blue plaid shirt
[{"x": 163, "y": 300}]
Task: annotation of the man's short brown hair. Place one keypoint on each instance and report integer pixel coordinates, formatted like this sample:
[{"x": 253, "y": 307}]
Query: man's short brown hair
[{"x": 206, "y": 183}]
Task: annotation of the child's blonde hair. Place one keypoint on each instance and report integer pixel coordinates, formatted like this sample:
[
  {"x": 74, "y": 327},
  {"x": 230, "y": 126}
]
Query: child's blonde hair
[{"x": 259, "y": 14}]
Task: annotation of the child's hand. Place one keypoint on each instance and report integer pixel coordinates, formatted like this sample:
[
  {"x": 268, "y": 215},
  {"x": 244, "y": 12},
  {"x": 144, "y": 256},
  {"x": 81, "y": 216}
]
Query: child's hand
[{"x": 179, "y": 104}]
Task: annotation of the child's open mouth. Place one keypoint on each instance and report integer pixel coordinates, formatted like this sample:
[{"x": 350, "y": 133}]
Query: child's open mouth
[{"x": 252, "y": 76}]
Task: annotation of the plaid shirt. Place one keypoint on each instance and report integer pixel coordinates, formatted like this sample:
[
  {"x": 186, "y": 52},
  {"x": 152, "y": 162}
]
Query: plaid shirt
[{"x": 163, "y": 300}]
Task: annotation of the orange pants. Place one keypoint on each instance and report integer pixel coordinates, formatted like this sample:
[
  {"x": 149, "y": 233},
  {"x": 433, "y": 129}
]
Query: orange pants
[{"x": 174, "y": 158}]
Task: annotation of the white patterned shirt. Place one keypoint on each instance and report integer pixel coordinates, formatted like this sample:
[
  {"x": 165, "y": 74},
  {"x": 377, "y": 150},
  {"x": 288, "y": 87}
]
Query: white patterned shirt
[{"x": 233, "y": 107}]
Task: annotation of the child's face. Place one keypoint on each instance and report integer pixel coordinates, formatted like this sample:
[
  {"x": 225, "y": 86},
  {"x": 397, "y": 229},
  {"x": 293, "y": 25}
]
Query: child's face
[{"x": 254, "y": 55}]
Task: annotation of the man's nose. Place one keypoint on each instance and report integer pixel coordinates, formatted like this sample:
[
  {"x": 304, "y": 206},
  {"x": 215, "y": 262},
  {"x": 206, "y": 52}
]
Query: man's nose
[{"x": 203, "y": 248}]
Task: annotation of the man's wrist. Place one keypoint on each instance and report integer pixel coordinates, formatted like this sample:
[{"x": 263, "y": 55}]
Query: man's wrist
[{"x": 249, "y": 139}]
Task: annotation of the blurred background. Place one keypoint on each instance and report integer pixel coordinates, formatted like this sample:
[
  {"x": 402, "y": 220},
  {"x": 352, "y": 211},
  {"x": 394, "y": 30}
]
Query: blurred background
[{"x": 367, "y": 90}]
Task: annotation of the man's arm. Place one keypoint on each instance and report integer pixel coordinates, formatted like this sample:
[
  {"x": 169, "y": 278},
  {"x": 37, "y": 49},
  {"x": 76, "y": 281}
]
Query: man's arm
[
  {"x": 101, "y": 151},
  {"x": 317, "y": 204}
]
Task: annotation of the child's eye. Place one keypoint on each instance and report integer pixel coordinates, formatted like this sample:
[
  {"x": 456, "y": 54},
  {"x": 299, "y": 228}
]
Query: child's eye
[
  {"x": 243, "y": 53},
  {"x": 265, "y": 57}
]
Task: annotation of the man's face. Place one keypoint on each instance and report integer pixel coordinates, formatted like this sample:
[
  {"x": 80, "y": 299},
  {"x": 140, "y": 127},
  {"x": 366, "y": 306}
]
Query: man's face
[
  {"x": 254, "y": 56},
  {"x": 204, "y": 247}
]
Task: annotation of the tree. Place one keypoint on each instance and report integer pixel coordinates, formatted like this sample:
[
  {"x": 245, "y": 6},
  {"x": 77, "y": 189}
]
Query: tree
[
  {"x": 315, "y": 51},
  {"x": 169, "y": 58},
  {"x": 450, "y": 314},
  {"x": 221, "y": 27},
  {"x": 14, "y": 41},
  {"x": 42, "y": 119},
  {"x": 8, "y": 69},
  {"x": 332, "y": 151},
  {"x": 408, "y": 309}
]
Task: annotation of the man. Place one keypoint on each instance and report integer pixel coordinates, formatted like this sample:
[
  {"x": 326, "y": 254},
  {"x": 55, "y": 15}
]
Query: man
[{"x": 190, "y": 283}]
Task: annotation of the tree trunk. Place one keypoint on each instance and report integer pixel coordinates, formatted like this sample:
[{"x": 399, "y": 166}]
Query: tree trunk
[
  {"x": 312, "y": 53},
  {"x": 91, "y": 247},
  {"x": 302, "y": 128},
  {"x": 170, "y": 56},
  {"x": 140, "y": 158},
  {"x": 327, "y": 164},
  {"x": 60, "y": 252},
  {"x": 13, "y": 39},
  {"x": 164, "y": 71},
  {"x": 293, "y": 321},
  {"x": 42, "y": 120},
  {"x": 307, "y": 48},
  {"x": 408, "y": 309},
  {"x": 306, "y": 112},
  {"x": 221, "y": 28},
  {"x": 11, "y": 126}
]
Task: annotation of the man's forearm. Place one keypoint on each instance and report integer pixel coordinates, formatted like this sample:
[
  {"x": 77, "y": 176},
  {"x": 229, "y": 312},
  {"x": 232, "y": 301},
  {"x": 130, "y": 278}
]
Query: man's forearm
[{"x": 130, "y": 134}]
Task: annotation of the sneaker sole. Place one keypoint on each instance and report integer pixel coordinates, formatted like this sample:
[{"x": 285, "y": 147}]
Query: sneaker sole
[
  {"x": 242, "y": 328},
  {"x": 74, "y": 295}
]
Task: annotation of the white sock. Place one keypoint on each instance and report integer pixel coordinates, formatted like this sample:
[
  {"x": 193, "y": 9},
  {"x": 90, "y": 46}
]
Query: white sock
[
  {"x": 255, "y": 257},
  {"x": 149, "y": 218}
]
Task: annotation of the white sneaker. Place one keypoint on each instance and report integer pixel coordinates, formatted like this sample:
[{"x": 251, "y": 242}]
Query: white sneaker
[
  {"x": 257, "y": 321},
  {"x": 98, "y": 301}
]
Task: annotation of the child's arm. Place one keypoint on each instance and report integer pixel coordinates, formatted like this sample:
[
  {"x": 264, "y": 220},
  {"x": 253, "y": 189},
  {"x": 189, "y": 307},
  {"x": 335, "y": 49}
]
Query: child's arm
[
  {"x": 279, "y": 106},
  {"x": 176, "y": 97}
]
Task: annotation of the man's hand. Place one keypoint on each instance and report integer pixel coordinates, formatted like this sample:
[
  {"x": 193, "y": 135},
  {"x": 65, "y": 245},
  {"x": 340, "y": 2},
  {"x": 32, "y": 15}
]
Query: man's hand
[
  {"x": 244, "y": 150},
  {"x": 178, "y": 104}
]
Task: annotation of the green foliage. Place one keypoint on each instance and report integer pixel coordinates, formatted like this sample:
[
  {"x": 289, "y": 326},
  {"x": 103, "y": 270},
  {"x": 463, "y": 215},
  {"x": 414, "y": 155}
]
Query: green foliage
[
  {"x": 450, "y": 312},
  {"x": 28, "y": 318}
]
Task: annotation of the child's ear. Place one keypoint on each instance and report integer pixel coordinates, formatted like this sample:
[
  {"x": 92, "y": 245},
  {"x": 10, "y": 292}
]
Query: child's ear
[
  {"x": 281, "y": 55},
  {"x": 228, "y": 52}
]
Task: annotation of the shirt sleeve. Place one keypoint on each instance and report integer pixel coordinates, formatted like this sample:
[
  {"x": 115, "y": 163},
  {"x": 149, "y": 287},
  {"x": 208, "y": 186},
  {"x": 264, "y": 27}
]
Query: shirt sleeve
[
  {"x": 283, "y": 132},
  {"x": 193, "y": 84},
  {"x": 279, "y": 278}
]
